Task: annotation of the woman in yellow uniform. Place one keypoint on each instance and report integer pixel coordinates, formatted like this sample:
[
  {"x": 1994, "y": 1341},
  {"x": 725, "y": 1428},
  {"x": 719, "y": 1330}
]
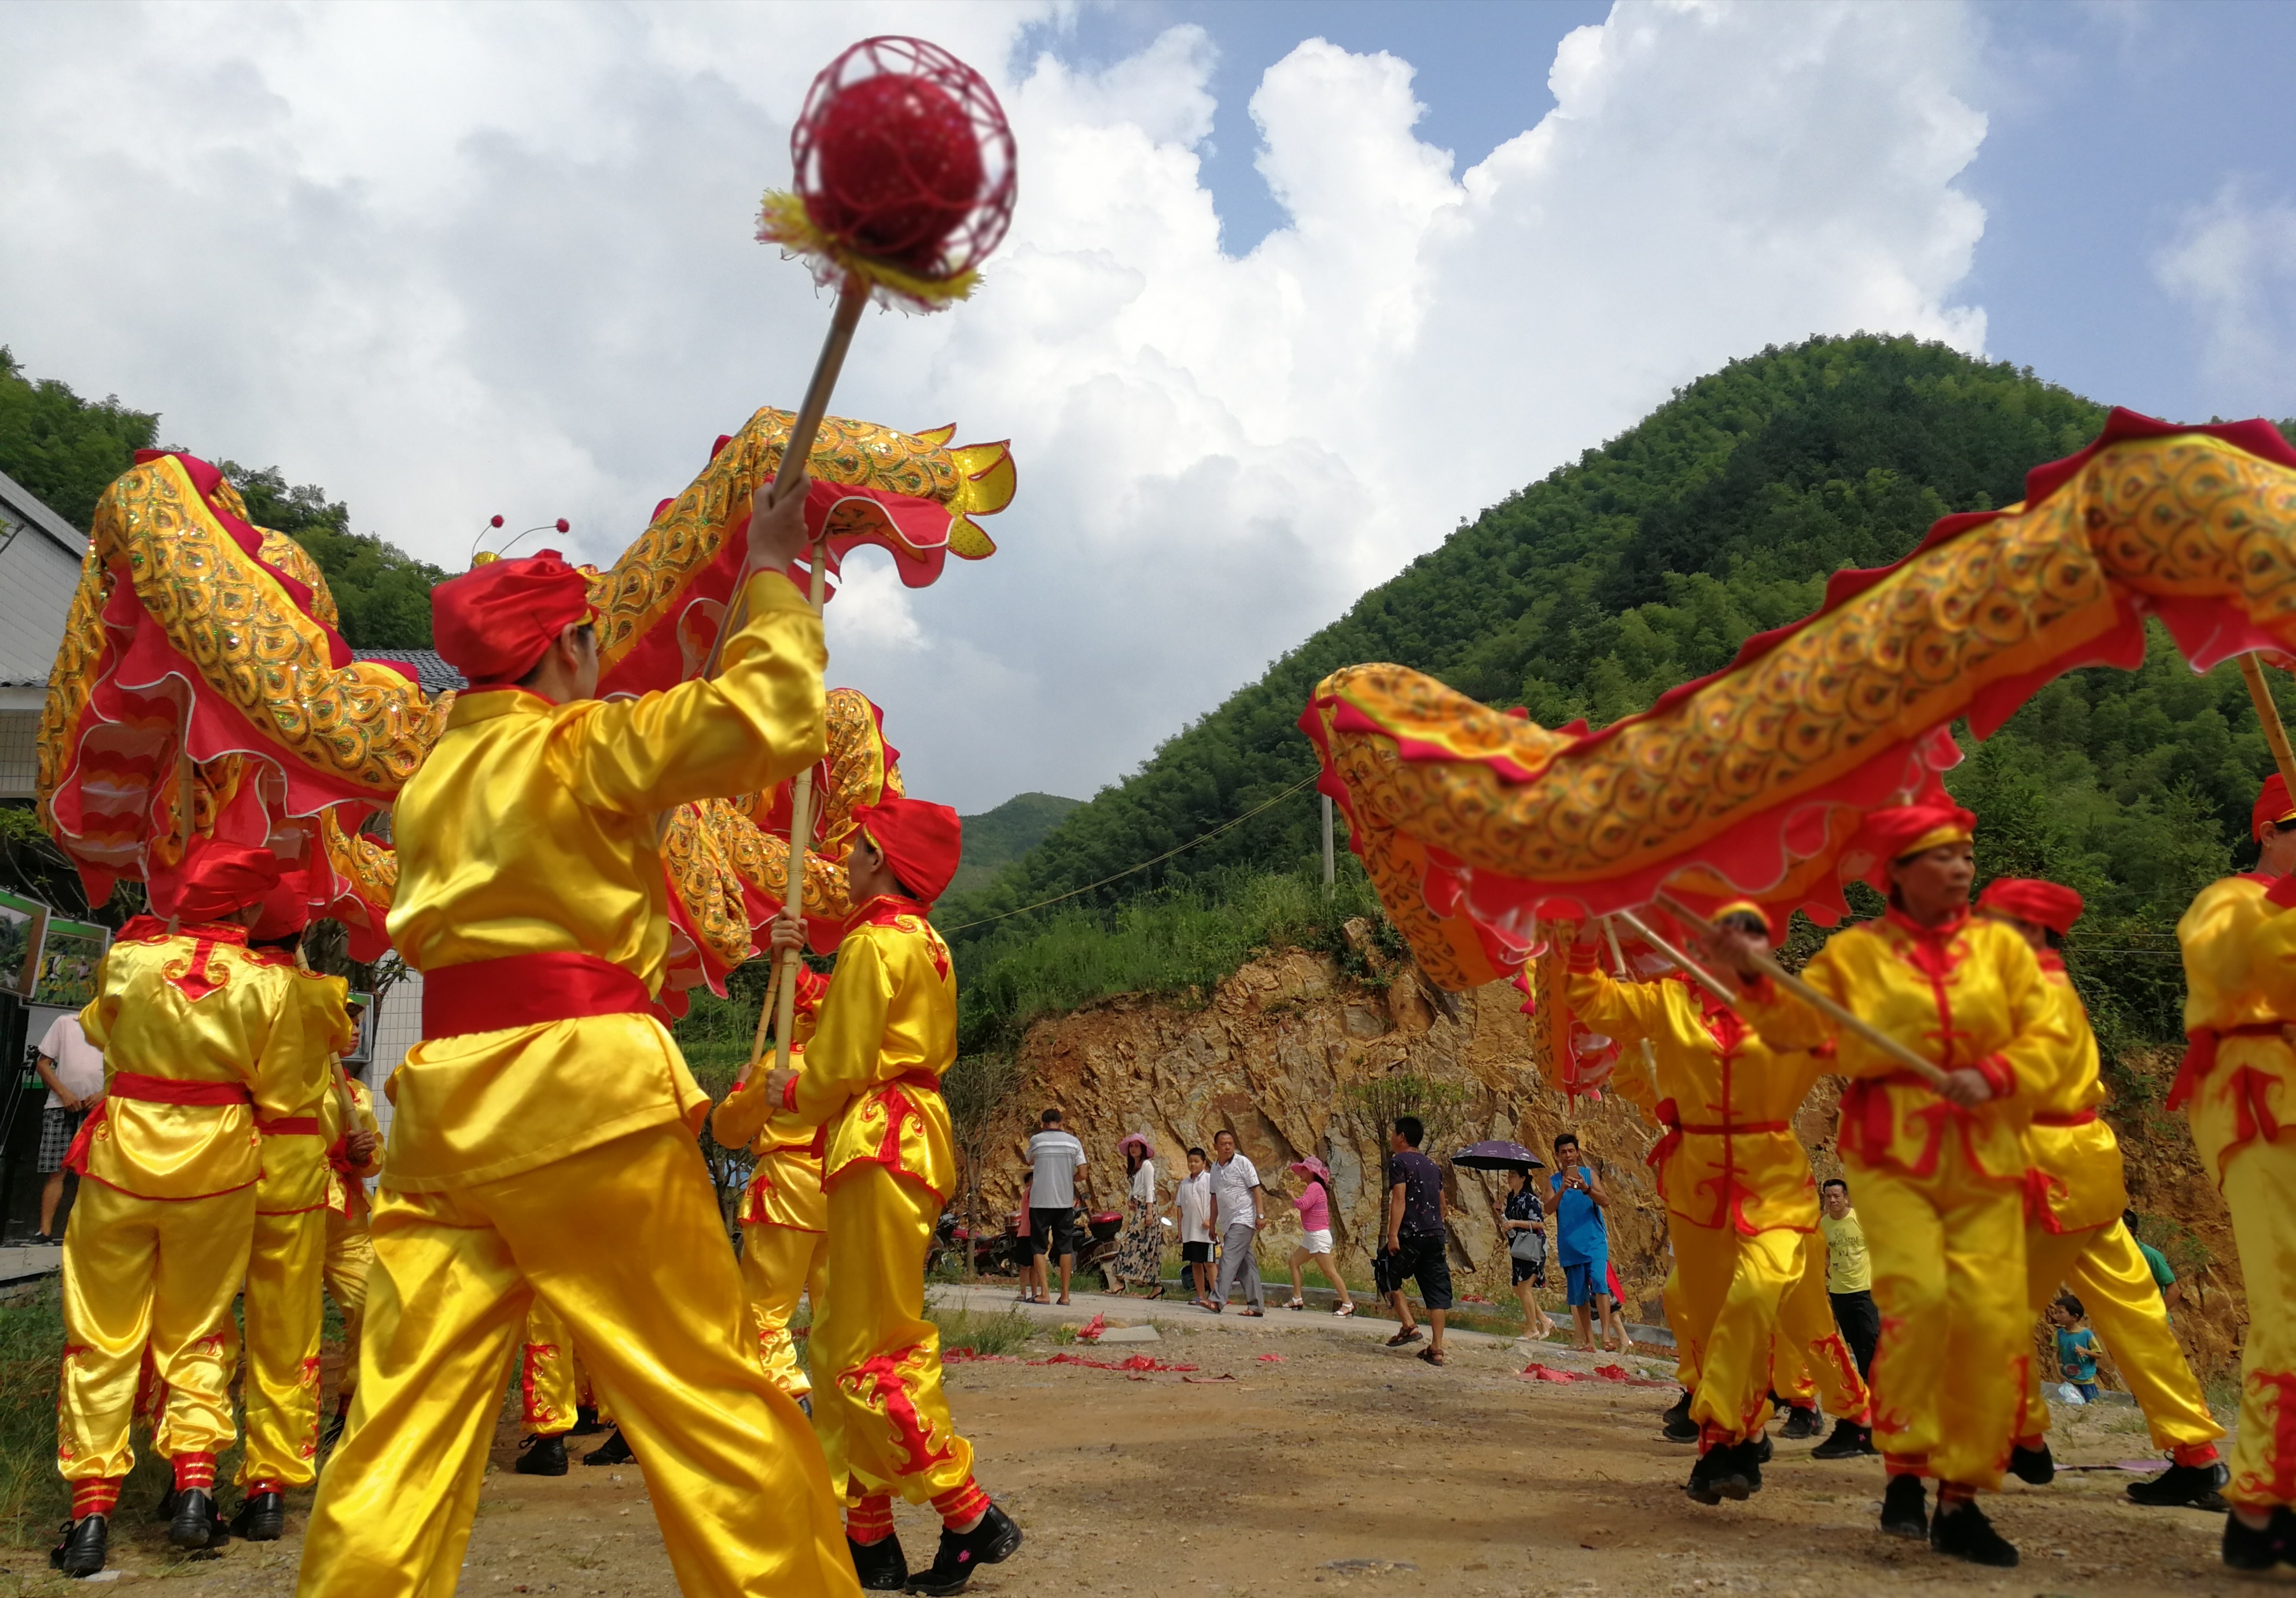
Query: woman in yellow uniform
[
  {"x": 1940, "y": 1173},
  {"x": 2074, "y": 1237},
  {"x": 2237, "y": 1087}
]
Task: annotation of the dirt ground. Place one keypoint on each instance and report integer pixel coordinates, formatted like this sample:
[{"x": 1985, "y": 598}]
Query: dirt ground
[{"x": 1334, "y": 1466}]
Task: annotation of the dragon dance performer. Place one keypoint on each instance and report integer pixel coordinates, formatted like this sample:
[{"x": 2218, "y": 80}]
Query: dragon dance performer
[
  {"x": 1940, "y": 1176},
  {"x": 2238, "y": 1079},
  {"x": 353, "y": 1157},
  {"x": 1742, "y": 1203},
  {"x": 872, "y": 1077},
  {"x": 785, "y": 1212},
  {"x": 544, "y": 1139},
  {"x": 198, "y": 1039},
  {"x": 2074, "y": 1236},
  {"x": 549, "y": 1402},
  {"x": 283, "y": 1308}
]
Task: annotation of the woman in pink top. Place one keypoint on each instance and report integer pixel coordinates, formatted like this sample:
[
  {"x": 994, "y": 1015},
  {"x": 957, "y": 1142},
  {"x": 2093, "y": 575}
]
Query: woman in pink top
[{"x": 1314, "y": 1207}]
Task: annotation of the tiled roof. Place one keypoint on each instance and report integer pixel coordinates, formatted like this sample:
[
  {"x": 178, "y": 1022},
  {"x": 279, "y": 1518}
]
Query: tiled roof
[{"x": 430, "y": 667}]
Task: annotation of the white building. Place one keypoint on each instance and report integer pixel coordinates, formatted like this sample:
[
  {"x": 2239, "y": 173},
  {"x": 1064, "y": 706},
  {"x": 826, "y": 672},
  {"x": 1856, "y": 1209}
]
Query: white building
[{"x": 40, "y": 555}]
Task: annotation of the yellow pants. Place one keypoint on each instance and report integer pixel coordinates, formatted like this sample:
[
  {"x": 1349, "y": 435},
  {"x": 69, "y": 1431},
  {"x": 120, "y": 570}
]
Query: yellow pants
[
  {"x": 2105, "y": 1272},
  {"x": 2258, "y": 1182},
  {"x": 626, "y": 1241},
  {"x": 1731, "y": 1287},
  {"x": 878, "y": 1404},
  {"x": 351, "y": 1253},
  {"x": 546, "y": 1393},
  {"x": 1811, "y": 1360},
  {"x": 285, "y": 1316},
  {"x": 778, "y": 1263},
  {"x": 156, "y": 1271},
  {"x": 1948, "y": 1255}
]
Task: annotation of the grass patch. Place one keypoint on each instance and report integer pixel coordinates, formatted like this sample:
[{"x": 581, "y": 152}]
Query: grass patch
[{"x": 1002, "y": 1331}]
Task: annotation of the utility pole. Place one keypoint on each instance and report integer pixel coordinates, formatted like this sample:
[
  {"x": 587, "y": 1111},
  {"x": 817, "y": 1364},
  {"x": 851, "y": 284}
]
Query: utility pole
[{"x": 1330, "y": 879}]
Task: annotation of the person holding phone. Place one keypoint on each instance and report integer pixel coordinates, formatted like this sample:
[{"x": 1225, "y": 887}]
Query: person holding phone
[{"x": 1582, "y": 1243}]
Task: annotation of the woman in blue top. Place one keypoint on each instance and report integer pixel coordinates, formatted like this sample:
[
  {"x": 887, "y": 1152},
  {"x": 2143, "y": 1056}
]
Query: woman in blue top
[
  {"x": 2076, "y": 1346},
  {"x": 1582, "y": 1244}
]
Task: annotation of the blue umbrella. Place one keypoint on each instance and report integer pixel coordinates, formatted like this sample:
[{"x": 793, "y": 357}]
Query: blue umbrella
[{"x": 1498, "y": 1156}]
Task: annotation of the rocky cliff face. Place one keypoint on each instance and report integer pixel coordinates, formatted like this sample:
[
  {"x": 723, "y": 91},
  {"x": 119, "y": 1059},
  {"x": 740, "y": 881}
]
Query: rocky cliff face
[{"x": 1281, "y": 1052}]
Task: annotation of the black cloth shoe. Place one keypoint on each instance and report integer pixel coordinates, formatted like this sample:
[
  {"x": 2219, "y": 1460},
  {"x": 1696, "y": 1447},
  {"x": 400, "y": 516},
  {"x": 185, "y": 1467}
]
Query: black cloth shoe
[
  {"x": 2249, "y": 1550},
  {"x": 1763, "y": 1449},
  {"x": 262, "y": 1519},
  {"x": 1964, "y": 1533},
  {"x": 2200, "y": 1486},
  {"x": 1848, "y": 1441},
  {"x": 1905, "y": 1508},
  {"x": 334, "y": 1432},
  {"x": 587, "y": 1423},
  {"x": 542, "y": 1456},
  {"x": 1727, "y": 1471},
  {"x": 1800, "y": 1424},
  {"x": 166, "y": 1512},
  {"x": 880, "y": 1565},
  {"x": 1679, "y": 1427},
  {"x": 614, "y": 1451},
  {"x": 82, "y": 1551},
  {"x": 2035, "y": 1467},
  {"x": 197, "y": 1522},
  {"x": 991, "y": 1542}
]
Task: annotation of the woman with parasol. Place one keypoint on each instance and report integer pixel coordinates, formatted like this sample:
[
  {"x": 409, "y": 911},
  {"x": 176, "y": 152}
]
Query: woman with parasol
[{"x": 1522, "y": 1224}]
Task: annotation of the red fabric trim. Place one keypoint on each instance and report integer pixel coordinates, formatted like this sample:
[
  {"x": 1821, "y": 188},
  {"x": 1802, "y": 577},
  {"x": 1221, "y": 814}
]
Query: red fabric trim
[
  {"x": 97, "y": 1496},
  {"x": 2201, "y": 1055},
  {"x": 961, "y": 1505},
  {"x": 287, "y": 1126},
  {"x": 2195, "y": 1453},
  {"x": 871, "y": 1520},
  {"x": 789, "y": 1093},
  {"x": 527, "y": 989},
  {"x": 265, "y": 1484},
  {"x": 1998, "y": 1075},
  {"x": 194, "y": 1470},
  {"x": 2281, "y": 893}
]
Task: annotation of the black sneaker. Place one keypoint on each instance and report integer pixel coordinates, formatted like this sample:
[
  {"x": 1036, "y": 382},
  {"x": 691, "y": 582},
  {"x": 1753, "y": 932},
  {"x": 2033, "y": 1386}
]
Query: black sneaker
[
  {"x": 2035, "y": 1467},
  {"x": 1801, "y": 1424},
  {"x": 1679, "y": 1427},
  {"x": 82, "y": 1551},
  {"x": 2247, "y": 1549},
  {"x": 197, "y": 1522},
  {"x": 1727, "y": 1470},
  {"x": 880, "y": 1565},
  {"x": 542, "y": 1456},
  {"x": 1964, "y": 1533},
  {"x": 1848, "y": 1441},
  {"x": 2200, "y": 1486},
  {"x": 1905, "y": 1508},
  {"x": 614, "y": 1451},
  {"x": 991, "y": 1542},
  {"x": 165, "y": 1510},
  {"x": 587, "y": 1423},
  {"x": 262, "y": 1519},
  {"x": 1763, "y": 1449}
]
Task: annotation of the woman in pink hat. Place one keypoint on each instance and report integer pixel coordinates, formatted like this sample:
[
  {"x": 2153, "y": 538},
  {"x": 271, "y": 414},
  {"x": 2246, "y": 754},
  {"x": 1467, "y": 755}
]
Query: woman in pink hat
[
  {"x": 1314, "y": 1207},
  {"x": 1140, "y": 1256}
]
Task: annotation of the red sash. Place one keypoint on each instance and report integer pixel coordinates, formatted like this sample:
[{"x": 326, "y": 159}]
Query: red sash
[
  {"x": 148, "y": 1090},
  {"x": 1676, "y": 1131},
  {"x": 527, "y": 989},
  {"x": 299, "y": 1126}
]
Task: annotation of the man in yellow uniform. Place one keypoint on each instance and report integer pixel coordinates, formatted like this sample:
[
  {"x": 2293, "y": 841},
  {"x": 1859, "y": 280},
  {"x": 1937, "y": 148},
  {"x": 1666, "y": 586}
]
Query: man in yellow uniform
[
  {"x": 872, "y": 1078},
  {"x": 199, "y": 1038},
  {"x": 785, "y": 1212},
  {"x": 1740, "y": 1202},
  {"x": 1939, "y": 1171},
  {"x": 353, "y": 1156},
  {"x": 2074, "y": 1238},
  {"x": 543, "y": 1142},
  {"x": 2237, "y": 1083},
  {"x": 284, "y": 1310}
]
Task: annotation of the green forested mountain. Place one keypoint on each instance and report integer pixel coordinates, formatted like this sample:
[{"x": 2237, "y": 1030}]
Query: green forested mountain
[
  {"x": 996, "y": 838},
  {"x": 65, "y": 448}
]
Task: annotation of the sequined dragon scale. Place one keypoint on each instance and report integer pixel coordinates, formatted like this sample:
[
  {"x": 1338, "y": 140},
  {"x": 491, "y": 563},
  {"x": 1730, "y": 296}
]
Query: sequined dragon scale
[{"x": 1473, "y": 824}]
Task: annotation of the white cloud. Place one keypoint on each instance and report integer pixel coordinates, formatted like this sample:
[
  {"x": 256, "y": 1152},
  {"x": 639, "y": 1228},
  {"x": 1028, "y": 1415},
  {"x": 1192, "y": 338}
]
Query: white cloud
[
  {"x": 2233, "y": 264},
  {"x": 455, "y": 261}
]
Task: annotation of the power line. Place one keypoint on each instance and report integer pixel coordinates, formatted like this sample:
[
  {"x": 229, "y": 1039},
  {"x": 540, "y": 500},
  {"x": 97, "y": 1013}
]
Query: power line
[{"x": 1143, "y": 865}]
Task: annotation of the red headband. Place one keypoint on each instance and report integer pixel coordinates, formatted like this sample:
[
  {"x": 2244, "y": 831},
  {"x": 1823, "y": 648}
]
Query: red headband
[
  {"x": 2047, "y": 904},
  {"x": 2271, "y": 805},
  {"x": 219, "y": 879},
  {"x": 494, "y": 624},
  {"x": 922, "y": 842},
  {"x": 1897, "y": 830}
]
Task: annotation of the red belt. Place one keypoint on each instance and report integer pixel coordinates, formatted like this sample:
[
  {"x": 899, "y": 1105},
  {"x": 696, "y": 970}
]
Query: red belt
[
  {"x": 1676, "y": 1131},
  {"x": 300, "y": 1126},
  {"x": 2201, "y": 1054},
  {"x": 527, "y": 989},
  {"x": 148, "y": 1090},
  {"x": 2079, "y": 1117}
]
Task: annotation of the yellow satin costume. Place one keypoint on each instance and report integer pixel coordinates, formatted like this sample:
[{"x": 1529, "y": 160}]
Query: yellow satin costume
[
  {"x": 283, "y": 1311},
  {"x": 350, "y": 1250},
  {"x": 2074, "y": 1235},
  {"x": 158, "y": 1242},
  {"x": 1940, "y": 1189},
  {"x": 557, "y": 1159},
  {"x": 2238, "y": 1082},
  {"x": 548, "y": 1398},
  {"x": 872, "y": 1078},
  {"x": 1742, "y": 1203},
  {"x": 784, "y": 1220}
]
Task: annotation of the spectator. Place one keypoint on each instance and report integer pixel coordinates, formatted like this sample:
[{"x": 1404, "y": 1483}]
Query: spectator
[
  {"x": 1235, "y": 1222},
  {"x": 1583, "y": 1243},
  {"x": 1195, "y": 1199},
  {"x": 1849, "y": 1273},
  {"x": 1417, "y": 1242},
  {"x": 2076, "y": 1346},
  {"x": 1054, "y": 1161},
  {"x": 1314, "y": 1207},
  {"x": 2163, "y": 1276},
  {"x": 1523, "y": 1223},
  {"x": 73, "y": 1069},
  {"x": 1139, "y": 1258}
]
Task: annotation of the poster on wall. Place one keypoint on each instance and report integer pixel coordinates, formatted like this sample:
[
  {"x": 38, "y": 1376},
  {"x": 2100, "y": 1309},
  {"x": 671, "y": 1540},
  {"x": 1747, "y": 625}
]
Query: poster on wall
[
  {"x": 68, "y": 961},
  {"x": 22, "y": 922}
]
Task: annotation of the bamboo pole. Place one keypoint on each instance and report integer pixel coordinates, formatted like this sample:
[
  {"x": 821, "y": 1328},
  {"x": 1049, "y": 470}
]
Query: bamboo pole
[
  {"x": 2268, "y": 714},
  {"x": 1619, "y": 959},
  {"x": 1691, "y": 967}
]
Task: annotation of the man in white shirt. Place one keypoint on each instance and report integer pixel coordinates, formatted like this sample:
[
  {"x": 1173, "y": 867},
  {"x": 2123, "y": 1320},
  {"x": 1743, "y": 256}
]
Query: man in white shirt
[
  {"x": 73, "y": 1069},
  {"x": 1236, "y": 1221},
  {"x": 1194, "y": 1197},
  {"x": 1053, "y": 1161}
]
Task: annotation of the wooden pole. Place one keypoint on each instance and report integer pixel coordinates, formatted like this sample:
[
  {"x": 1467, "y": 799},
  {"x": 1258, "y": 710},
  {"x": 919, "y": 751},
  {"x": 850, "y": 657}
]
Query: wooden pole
[
  {"x": 1705, "y": 978},
  {"x": 2268, "y": 714},
  {"x": 1331, "y": 876},
  {"x": 1619, "y": 959},
  {"x": 1927, "y": 1070}
]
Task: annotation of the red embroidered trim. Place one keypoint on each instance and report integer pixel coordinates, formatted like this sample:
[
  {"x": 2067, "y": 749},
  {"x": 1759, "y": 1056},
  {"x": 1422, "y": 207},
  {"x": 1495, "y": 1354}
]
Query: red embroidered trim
[
  {"x": 97, "y": 1496},
  {"x": 195, "y": 1470},
  {"x": 961, "y": 1504}
]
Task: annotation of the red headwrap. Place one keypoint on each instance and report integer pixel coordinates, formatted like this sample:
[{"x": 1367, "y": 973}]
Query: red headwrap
[
  {"x": 219, "y": 878},
  {"x": 922, "y": 842},
  {"x": 1894, "y": 831},
  {"x": 2271, "y": 805},
  {"x": 286, "y": 908},
  {"x": 2048, "y": 904},
  {"x": 492, "y": 624}
]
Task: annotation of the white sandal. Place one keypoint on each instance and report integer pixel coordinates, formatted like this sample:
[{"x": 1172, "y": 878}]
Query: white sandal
[
  {"x": 1343, "y": 1309},
  {"x": 1297, "y": 1304}
]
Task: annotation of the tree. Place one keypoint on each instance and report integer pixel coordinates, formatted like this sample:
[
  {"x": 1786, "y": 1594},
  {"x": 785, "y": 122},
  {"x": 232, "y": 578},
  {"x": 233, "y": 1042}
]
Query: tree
[{"x": 62, "y": 448}]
